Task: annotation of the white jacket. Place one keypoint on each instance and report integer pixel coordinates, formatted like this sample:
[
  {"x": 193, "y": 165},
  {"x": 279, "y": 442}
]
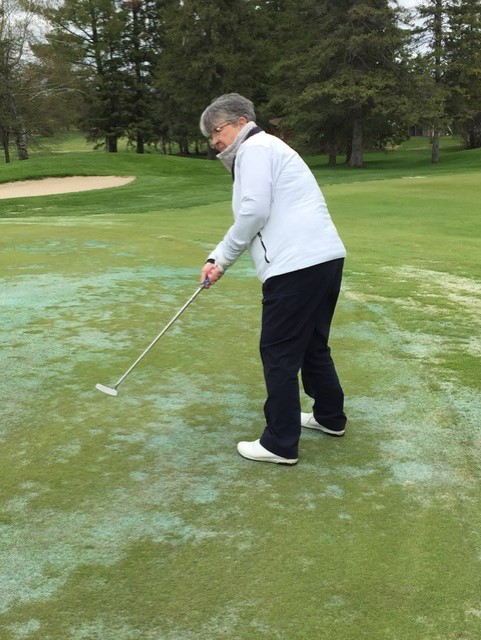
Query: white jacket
[{"x": 280, "y": 215}]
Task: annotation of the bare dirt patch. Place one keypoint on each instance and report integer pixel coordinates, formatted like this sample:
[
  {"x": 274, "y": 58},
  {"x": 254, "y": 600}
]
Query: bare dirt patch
[{"x": 50, "y": 186}]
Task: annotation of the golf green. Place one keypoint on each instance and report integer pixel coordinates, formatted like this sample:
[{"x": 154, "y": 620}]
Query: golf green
[{"x": 133, "y": 518}]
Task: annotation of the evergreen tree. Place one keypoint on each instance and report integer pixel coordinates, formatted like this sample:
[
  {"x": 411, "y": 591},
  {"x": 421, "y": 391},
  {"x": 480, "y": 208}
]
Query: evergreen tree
[
  {"x": 343, "y": 83},
  {"x": 143, "y": 44},
  {"x": 463, "y": 73},
  {"x": 88, "y": 33},
  {"x": 431, "y": 34},
  {"x": 212, "y": 47}
]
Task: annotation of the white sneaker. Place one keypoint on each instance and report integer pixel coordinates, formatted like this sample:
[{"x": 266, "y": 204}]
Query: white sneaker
[
  {"x": 308, "y": 420},
  {"x": 255, "y": 451}
]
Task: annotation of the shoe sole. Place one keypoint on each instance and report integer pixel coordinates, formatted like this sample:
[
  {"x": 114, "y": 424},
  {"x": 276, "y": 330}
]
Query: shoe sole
[
  {"x": 336, "y": 434},
  {"x": 285, "y": 462}
]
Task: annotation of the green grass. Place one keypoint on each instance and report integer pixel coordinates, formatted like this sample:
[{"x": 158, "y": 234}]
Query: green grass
[
  {"x": 161, "y": 182},
  {"x": 173, "y": 182},
  {"x": 133, "y": 518}
]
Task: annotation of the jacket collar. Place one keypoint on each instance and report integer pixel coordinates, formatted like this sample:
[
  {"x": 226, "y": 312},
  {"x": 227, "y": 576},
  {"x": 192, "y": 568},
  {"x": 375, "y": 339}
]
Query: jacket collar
[{"x": 228, "y": 156}]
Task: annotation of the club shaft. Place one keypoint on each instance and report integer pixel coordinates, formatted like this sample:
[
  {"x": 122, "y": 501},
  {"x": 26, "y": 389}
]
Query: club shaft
[{"x": 157, "y": 338}]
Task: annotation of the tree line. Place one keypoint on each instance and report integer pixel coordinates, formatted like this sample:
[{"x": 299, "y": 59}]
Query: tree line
[{"x": 334, "y": 76}]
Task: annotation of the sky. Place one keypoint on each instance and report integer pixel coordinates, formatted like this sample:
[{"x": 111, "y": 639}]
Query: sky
[{"x": 409, "y": 4}]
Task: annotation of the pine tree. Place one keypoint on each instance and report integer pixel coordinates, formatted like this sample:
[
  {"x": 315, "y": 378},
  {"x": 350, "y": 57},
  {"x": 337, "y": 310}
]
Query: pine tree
[
  {"x": 212, "y": 47},
  {"x": 143, "y": 44},
  {"x": 88, "y": 33},
  {"x": 342, "y": 82},
  {"x": 463, "y": 74},
  {"x": 432, "y": 35}
]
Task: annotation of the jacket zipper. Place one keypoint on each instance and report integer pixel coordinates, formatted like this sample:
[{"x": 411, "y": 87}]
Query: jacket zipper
[{"x": 264, "y": 247}]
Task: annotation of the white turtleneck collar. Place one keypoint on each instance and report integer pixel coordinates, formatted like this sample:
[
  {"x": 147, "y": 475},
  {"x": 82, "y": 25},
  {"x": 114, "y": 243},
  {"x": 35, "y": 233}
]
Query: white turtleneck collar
[{"x": 227, "y": 157}]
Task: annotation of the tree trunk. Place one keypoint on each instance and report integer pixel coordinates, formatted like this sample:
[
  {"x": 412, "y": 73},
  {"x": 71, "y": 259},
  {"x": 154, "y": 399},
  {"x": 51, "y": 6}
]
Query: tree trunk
[
  {"x": 211, "y": 153},
  {"x": 435, "y": 148},
  {"x": 438, "y": 73},
  {"x": 332, "y": 155},
  {"x": 356, "y": 159},
  {"x": 5, "y": 144},
  {"x": 22, "y": 146},
  {"x": 184, "y": 146},
  {"x": 111, "y": 144},
  {"x": 140, "y": 143}
]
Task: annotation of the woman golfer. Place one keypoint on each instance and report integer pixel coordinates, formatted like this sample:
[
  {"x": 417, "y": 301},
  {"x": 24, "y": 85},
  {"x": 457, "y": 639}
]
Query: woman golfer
[{"x": 281, "y": 218}]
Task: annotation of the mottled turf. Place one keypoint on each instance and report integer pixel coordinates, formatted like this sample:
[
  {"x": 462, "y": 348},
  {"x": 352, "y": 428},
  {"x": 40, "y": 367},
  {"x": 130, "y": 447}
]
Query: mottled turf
[{"x": 133, "y": 518}]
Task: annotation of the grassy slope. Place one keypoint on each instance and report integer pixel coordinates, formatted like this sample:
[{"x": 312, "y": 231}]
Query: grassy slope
[{"x": 133, "y": 518}]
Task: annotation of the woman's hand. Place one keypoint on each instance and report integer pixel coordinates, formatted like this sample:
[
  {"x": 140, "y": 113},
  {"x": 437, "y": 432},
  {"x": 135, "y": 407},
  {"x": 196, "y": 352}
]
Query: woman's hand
[{"x": 210, "y": 272}]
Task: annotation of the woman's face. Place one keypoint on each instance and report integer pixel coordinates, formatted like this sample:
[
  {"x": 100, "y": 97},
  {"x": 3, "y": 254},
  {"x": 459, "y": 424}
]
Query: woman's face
[{"x": 225, "y": 133}]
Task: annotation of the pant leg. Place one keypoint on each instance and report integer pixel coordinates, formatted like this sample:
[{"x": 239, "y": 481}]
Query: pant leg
[
  {"x": 318, "y": 372},
  {"x": 292, "y": 304}
]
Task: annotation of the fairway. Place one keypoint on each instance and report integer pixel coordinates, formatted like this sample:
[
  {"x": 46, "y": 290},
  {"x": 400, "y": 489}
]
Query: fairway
[{"x": 134, "y": 518}]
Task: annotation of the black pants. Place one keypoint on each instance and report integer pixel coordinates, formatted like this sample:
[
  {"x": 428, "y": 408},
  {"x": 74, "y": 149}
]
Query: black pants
[{"x": 297, "y": 310}]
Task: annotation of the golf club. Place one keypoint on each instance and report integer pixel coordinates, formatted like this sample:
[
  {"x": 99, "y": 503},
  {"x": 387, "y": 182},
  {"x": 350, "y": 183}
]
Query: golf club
[{"x": 112, "y": 391}]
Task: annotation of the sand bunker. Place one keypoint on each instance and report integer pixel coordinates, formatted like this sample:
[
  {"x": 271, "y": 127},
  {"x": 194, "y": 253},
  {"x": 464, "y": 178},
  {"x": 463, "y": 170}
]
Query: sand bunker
[{"x": 49, "y": 186}]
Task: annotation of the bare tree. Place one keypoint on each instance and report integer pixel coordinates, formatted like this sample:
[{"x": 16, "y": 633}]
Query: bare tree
[
  {"x": 36, "y": 92},
  {"x": 16, "y": 21}
]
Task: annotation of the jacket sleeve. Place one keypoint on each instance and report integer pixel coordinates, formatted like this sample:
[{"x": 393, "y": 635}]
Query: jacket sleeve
[{"x": 253, "y": 186}]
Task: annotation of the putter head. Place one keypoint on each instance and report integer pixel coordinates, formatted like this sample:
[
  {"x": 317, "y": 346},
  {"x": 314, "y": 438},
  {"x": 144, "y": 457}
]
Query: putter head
[{"x": 107, "y": 390}]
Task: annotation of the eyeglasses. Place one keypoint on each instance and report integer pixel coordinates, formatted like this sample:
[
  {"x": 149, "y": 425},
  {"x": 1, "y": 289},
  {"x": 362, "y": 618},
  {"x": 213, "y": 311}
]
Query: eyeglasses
[{"x": 219, "y": 128}]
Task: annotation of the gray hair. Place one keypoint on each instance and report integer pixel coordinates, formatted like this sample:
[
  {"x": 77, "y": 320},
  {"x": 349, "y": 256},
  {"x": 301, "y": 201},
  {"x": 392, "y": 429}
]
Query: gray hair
[{"x": 227, "y": 108}]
